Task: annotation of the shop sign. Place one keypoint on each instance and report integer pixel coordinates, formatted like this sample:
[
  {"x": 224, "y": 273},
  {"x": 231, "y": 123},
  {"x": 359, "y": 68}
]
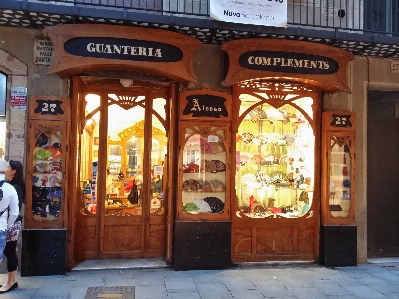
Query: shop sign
[
  {"x": 80, "y": 48},
  {"x": 205, "y": 105},
  {"x": 256, "y": 12},
  {"x": 341, "y": 120},
  {"x": 314, "y": 64},
  {"x": 42, "y": 50},
  {"x": 123, "y": 49},
  {"x": 288, "y": 62},
  {"x": 45, "y": 107},
  {"x": 18, "y": 98}
]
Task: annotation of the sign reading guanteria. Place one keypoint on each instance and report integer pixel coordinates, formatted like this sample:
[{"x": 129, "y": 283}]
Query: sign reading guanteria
[
  {"x": 123, "y": 49},
  {"x": 93, "y": 47},
  {"x": 297, "y": 61}
]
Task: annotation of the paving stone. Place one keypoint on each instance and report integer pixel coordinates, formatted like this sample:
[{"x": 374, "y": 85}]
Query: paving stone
[{"x": 364, "y": 292}]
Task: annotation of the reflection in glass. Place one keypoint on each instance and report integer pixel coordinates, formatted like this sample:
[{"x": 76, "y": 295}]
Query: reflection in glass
[
  {"x": 204, "y": 172},
  {"x": 275, "y": 159},
  {"x": 340, "y": 181},
  {"x": 47, "y": 176}
]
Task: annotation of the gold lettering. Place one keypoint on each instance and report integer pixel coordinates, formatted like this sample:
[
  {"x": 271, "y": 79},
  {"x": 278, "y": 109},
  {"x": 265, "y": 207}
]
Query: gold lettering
[
  {"x": 298, "y": 63},
  {"x": 196, "y": 106},
  {"x": 276, "y": 60},
  {"x": 266, "y": 61},
  {"x": 313, "y": 64}
]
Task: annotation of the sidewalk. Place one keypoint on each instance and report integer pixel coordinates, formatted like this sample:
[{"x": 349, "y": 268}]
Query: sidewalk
[{"x": 247, "y": 282}]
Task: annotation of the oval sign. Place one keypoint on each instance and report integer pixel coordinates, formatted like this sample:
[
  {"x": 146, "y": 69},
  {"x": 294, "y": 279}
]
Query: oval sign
[
  {"x": 288, "y": 62},
  {"x": 123, "y": 49}
]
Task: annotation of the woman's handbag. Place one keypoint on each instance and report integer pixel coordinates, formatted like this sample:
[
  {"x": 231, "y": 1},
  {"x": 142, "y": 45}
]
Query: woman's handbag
[{"x": 133, "y": 196}]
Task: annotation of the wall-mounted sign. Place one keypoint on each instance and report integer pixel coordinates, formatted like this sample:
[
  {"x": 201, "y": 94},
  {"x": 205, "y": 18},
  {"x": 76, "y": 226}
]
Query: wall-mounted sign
[
  {"x": 339, "y": 120},
  {"x": 288, "y": 62},
  {"x": 93, "y": 47},
  {"x": 49, "y": 107},
  {"x": 296, "y": 61},
  {"x": 42, "y": 50},
  {"x": 257, "y": 12},
  {"x": 52, "y": 107},
  {"x": 123, "y": 49},
  {"x": 18, "y": 98},
  {"x": 206, "y": 104}
]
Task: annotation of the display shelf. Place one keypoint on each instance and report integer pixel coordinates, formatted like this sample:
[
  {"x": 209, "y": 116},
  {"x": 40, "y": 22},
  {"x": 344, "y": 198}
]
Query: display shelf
[{"x": 203, "y": 172}]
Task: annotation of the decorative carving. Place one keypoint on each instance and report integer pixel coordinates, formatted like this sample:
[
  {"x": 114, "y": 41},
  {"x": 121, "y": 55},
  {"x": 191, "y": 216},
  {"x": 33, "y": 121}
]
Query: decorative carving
[
  {"x": 138, "y": 131},
  {"x": 47, "y": 130},
  {"x": 276, "y": 86},
  {"x": 341, "y": 141},
  {"x": 127, "y": 102}
]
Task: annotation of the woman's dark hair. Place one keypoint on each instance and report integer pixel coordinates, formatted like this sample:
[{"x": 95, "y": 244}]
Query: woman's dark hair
[{"x": 18, "y": 176}]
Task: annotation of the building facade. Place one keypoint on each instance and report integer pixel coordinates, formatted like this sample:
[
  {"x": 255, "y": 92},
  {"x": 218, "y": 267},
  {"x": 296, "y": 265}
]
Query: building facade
[{"x": 155, "y": 131}]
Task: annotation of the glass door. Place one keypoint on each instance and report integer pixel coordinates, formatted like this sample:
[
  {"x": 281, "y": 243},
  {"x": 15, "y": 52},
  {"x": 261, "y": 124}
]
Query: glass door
[{"x": 122, "y": 174}]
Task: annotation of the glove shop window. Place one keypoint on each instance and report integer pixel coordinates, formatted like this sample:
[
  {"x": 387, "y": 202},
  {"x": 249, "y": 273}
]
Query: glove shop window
[
  {"x": 275, "y": 153},
  {"x": 203, "y": 172}
]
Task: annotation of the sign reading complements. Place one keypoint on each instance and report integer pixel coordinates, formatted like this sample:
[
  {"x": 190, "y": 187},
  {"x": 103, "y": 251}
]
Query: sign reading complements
[
  {"x": 288, "y": 62},
  {"x": 42, "y": 50},
  {"x": 205, "y": 105},
  {"x": 123, "y": 49},
  {"x": 18, "y": 98},
  {"x": 257, "y": 12}
]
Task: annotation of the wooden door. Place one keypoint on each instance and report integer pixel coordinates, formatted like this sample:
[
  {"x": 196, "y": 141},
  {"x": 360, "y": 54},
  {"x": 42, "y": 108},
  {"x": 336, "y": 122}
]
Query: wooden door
[{"x": 123, "y": 149}]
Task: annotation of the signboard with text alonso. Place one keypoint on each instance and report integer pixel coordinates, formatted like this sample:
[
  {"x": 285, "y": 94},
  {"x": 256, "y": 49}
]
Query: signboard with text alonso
[{"x": 205, "y": 104}]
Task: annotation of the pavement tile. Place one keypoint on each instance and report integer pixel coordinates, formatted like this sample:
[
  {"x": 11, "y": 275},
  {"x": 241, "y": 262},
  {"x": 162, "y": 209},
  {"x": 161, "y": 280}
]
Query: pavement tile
[
  {"x": 343, "y": 297},
  {"x": 307, "y": 293},
  {"x": 218, "y": 291},
  {"x": 185, "y": 295},
  {"x": 276, "y": 292},
  {"x": 246, "y": 294},
  {"x": 238, "y": 283},
  {"x": 364, "y": 292},
  {"x": 384, "y": 287},
  {"x": 174, "y": 285},
  {"x": 78, "y": 292},
  {"x": 150, "y": 292},
  {"x": 330, "y": 289}
]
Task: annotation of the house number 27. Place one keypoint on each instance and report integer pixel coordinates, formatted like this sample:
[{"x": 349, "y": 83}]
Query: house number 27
[
  {"x": 341, "y": 121},
  {"x": 49, "y": 107}
]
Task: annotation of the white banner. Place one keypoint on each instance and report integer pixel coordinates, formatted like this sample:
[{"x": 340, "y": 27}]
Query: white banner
[{"x": 256, "y": 12}]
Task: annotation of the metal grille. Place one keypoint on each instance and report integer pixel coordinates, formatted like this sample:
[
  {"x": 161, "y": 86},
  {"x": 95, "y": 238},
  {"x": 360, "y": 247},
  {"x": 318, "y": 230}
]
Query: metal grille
[{"x": 375, "y": 16}]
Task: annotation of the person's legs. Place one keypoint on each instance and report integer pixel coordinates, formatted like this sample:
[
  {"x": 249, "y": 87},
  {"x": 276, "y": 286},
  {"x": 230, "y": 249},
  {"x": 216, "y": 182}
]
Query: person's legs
[{"x": 12, "y": 264}]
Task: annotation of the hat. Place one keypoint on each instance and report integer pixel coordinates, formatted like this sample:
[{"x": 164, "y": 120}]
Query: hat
[{"x": 4, "y": 165}]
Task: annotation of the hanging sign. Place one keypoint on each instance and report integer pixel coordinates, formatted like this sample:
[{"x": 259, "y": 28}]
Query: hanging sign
[
  {"x": 18, "y": 98},
  {"x": 256, "y": 12},
  {"x": 205, "y": 104}
]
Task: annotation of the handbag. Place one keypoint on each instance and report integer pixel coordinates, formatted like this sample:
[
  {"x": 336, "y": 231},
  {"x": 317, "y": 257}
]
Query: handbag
[{"x": 133, "y": 196}]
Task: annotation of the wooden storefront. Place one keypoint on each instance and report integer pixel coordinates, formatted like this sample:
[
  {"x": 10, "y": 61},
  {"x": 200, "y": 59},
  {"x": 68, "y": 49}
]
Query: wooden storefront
[{"x": 203, "y": 178}]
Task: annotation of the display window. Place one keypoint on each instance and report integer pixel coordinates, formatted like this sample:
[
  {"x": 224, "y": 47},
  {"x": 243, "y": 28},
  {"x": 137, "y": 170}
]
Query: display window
[
  {"x": 204, "y": 167},
  {"x": 275, "y": 152}
]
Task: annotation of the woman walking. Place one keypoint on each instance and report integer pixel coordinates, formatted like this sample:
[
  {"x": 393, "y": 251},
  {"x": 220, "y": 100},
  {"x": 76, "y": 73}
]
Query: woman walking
[{"x": 15, "y": 177}]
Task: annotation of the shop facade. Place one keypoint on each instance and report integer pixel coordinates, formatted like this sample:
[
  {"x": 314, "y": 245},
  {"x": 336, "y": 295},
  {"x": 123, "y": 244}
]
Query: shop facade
[{"x": 159, "y": 146}]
